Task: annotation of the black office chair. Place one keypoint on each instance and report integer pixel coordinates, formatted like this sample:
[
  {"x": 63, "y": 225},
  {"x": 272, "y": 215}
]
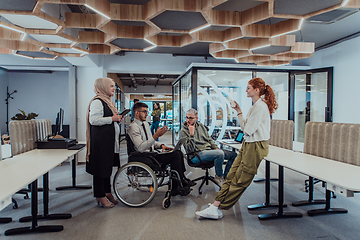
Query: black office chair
[{"x": 205, "y": 165}]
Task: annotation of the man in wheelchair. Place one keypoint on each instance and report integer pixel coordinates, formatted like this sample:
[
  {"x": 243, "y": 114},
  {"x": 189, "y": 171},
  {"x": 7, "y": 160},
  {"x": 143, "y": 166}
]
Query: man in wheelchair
[{"x": 140, "y": 135}]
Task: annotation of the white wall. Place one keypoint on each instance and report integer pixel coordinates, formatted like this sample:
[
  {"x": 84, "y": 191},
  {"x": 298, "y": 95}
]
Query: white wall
[
  {"x": 4, "y": 82},
  {"x": 42, "y": 93},
  {"x": 86, "y": 77},
  {"x": 345, "y": 58}
]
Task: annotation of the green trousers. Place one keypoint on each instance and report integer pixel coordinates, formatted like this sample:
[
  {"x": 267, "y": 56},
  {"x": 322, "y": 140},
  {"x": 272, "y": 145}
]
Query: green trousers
[{"x": 241, "y": 173}]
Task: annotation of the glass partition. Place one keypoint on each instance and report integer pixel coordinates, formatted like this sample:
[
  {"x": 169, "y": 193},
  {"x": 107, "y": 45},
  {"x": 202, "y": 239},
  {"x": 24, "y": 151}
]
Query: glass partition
[
  {"x": 216, "y": 88},
  {"x": 279, "y": 82},
  {"x": 181, "y": 103}
]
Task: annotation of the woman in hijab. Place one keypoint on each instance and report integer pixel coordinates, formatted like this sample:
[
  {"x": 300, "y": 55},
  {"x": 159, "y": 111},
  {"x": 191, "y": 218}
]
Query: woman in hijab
[{"x": 102, "y": 140}]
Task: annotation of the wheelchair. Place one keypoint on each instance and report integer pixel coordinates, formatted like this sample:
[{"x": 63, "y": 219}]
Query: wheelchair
[{"x": 136, "y": 183}]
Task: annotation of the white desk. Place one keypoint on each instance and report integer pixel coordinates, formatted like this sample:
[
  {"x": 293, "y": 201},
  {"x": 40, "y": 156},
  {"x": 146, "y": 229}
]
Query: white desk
[
  {"x": 340, "y": 177},
  {"x": 26, "y": 168},
  {"x": 334, "y": 173}
]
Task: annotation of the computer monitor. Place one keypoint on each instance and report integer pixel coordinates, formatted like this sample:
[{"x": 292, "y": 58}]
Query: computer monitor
[{"x": 59, "y": 122}]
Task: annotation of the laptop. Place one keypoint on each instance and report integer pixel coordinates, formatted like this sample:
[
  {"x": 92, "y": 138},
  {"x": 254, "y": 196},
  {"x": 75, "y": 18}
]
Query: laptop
[
  {"x": 238, "y": 139},
  {"x": 177, "y": 146}
]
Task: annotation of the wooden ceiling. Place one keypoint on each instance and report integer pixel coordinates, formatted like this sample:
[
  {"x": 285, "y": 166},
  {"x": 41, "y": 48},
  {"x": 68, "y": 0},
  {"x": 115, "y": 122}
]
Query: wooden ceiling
[{"x": 247, "y": 31}]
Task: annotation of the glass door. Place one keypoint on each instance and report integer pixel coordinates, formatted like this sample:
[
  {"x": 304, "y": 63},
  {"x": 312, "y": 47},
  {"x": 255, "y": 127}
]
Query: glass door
[{"x": 312, "y": 99}]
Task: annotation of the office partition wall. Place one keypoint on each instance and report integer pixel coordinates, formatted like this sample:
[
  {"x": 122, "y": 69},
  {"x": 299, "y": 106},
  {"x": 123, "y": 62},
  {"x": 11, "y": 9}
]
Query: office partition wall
[{"x": 216, "y": 87}]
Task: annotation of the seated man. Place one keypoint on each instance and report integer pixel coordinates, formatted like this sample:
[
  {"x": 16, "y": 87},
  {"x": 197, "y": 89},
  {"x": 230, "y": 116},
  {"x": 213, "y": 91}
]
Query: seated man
[
  {"x": 140, "y": 134},
  {"x": 199, "y": 141}
]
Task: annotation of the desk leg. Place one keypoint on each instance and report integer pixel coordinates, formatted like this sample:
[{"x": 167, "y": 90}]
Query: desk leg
[
  {"x": 267, "y": 168},
  {"x": 311, "y": 200},
  {"x": 46, "y": 214},
  {"x": 280, "y": 213},
  {"x": 327, "y": 209},
  {"x": 74, "y": 186},
  {"x": 267, "y": 203},
  {"x": 34, "y": 211}
]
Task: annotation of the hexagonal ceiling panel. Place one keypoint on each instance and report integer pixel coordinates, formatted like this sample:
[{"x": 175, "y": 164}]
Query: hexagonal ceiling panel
[
  {"x": 131, "y": 43},
  {"x": 36, "y": 54},
  {"x": 187, "y": 23},
  {"x": 129, "y": 23},
  {"x": 199, "y": 48},
  {"x": 237, "y": 5},
  {"x": 179, "y": 20},
  {"x": 17, "y": 5},
  {"x": 136, "y": 2},
  {"x": 29, "y": 21},
  {"x": 50, "y": 39},
  {"x": 271, "y": 21},
  {"x": 302, "y": 7}
]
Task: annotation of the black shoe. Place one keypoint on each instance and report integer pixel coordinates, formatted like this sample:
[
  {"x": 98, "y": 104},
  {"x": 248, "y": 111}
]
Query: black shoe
[
  {"x": 185, "y": 191},
  {"x": 188, "y": 182}
]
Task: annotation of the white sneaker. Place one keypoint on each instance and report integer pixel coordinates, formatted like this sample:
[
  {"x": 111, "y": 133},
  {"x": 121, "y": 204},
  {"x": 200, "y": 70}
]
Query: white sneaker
[
  {"x": 219, "y": 180},
  {"x": 210, "y": 212}
]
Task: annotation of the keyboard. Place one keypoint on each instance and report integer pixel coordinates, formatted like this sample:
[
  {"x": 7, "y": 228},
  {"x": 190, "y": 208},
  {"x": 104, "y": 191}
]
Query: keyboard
[{"x": 76, "y": 147}]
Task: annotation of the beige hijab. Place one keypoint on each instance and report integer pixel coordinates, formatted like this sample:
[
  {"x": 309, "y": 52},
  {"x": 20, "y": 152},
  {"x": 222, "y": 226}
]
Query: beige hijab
[{"x": 102, "y": 91}]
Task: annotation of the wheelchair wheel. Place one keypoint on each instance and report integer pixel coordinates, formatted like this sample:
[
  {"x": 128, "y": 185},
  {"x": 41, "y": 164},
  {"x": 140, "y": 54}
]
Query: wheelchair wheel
[
  {"x": 166, "y": 202},
  {"x": 135, "y": 184}
]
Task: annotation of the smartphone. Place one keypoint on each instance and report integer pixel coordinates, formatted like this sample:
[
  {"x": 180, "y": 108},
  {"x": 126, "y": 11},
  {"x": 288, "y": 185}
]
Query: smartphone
[
  {"x": 126, "y": 111},
  {"x": 232, "y": 104}
]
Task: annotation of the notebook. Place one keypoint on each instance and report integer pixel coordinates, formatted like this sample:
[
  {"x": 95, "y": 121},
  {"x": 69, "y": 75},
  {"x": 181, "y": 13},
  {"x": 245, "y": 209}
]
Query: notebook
[{"x": 238, "y": 139}]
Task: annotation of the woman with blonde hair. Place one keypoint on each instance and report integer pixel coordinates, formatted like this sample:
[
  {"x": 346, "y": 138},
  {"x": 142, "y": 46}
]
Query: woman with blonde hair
[
  {"x": 256, "y": 127},
  {"x": 102, "y": 140}
]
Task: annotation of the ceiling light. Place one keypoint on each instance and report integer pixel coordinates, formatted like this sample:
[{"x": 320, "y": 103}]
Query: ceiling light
[
  {"x": 200, "y": 28},
  {"x": 344, "y": 3},
  {"x": 149, "y": 48},
  {"x": 260, "y": 47},
  {"x": 284, "y": 33},
  {"x": 14, "y": 29},
  {"x": 97, "y": 11},
  {"x": 300, "y": 24},
  {"x": 23, "y": 38},
  {"x": 232, "y": 39},
  {"x": 149, "y": 41}
]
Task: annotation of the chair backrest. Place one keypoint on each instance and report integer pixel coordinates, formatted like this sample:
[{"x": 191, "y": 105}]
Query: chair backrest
[
  {"x": 281, "y": 133},
  {"x": 25, "y": 133},
  {"x": 130, "y": 145},
  {"x": 336, "y": 141}
]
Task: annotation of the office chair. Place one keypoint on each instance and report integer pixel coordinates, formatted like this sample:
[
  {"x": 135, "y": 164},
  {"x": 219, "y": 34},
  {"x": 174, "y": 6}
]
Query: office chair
[{"x": 205, "y": 165}]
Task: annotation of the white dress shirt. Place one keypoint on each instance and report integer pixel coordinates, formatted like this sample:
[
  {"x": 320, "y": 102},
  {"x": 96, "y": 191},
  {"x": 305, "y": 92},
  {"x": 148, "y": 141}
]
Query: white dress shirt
[
  {"x": 256, "y": 126},
  {"x": 96, "y": 118},
  {"x": 138, "y": 137}
]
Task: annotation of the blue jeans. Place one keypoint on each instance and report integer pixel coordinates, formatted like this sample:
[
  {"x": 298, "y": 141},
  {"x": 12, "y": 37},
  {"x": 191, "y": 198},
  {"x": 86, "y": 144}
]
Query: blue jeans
[
  {"x": 217, "y": 156},
  {"x": 154, "y": 127}
]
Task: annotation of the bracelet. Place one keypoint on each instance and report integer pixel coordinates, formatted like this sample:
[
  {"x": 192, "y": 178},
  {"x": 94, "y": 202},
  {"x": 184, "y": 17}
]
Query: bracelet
[{"x": 239, "y": 113}]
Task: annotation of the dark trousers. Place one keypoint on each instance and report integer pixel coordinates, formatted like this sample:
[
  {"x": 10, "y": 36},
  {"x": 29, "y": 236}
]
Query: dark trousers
[
  {"x": 175, "y": 159},
  {"x": 101, "y": 186}
]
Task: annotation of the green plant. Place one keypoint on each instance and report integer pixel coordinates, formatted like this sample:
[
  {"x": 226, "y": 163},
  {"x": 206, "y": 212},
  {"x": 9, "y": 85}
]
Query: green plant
[{"x": 23, "y": 116}]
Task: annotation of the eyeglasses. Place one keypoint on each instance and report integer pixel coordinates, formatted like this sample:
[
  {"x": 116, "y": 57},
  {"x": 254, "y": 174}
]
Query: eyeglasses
[
  {"x": 145, "y": 112},
  {"x": 191, "y": 118}
]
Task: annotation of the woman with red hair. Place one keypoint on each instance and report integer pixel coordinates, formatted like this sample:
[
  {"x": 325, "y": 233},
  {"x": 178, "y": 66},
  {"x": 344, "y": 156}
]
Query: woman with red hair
[{"x": 256, "y": 127}]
